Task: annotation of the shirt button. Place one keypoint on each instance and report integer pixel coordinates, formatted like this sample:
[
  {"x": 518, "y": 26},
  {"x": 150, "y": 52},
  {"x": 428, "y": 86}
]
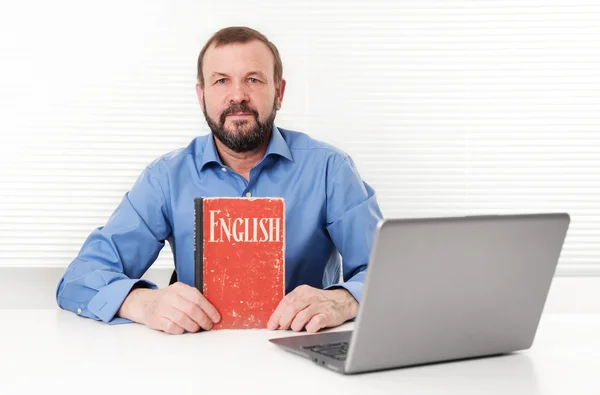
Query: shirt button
[
  {"x": 223, "y": 169},
  {"x": 248, "y": 194},
  {"x": 79, "y": 310}
]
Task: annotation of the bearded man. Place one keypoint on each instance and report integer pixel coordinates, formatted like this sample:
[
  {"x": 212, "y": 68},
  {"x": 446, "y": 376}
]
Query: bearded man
[{"x": 330, "y": 219}]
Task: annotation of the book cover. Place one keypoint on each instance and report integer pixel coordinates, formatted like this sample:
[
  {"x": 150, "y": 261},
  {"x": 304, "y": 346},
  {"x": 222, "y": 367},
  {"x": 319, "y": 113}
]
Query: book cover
[{"x": 239, "y": 258}]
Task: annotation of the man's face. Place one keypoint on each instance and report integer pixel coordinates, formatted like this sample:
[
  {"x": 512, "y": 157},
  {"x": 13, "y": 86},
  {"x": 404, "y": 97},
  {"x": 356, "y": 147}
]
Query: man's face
[{"x": 240, "y": 99}]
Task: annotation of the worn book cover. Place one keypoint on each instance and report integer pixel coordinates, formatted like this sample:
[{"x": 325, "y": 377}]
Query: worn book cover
[{"x": 239, "y": 258}]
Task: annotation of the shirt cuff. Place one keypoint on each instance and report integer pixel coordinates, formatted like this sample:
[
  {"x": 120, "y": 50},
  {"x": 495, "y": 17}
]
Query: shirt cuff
[
  {"x": 109, "y": 299},
  {"x": 354, "y": 287}
]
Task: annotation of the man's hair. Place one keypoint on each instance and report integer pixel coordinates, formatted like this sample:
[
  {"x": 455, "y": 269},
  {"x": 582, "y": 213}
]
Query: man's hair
[{"x": 239, "y": 34}]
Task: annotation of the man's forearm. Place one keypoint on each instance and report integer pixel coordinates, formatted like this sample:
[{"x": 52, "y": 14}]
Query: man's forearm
[
  {"x": 347, "y": 302},
  {"x": 135, "y": 305}
]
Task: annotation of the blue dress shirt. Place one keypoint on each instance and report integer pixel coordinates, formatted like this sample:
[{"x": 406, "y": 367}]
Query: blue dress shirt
[{"x": 331, "y": 216}]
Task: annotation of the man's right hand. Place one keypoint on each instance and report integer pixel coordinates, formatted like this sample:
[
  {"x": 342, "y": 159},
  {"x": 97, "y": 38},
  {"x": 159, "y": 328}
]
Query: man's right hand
[{"x": 173, "y": 310}]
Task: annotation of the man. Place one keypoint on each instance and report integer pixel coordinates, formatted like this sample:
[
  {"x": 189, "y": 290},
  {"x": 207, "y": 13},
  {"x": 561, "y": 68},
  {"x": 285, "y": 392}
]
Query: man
[{"x": 329, "y": 209}]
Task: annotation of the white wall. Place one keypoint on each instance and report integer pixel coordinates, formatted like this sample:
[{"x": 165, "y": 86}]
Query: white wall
[{"x": 448, "y": 107}]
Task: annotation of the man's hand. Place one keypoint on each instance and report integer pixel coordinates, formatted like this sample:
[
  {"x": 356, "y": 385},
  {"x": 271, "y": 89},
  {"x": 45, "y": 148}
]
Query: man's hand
[
  {"x": 173, "y": 310},
  {"x": 314, "y": 309}
]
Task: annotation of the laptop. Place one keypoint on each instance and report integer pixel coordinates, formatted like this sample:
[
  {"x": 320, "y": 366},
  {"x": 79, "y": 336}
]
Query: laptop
[{"x": 445, "y": 289}]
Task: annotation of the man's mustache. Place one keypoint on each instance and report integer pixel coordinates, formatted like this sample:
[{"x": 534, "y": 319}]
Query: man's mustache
[{"x": 241, "y": 107}]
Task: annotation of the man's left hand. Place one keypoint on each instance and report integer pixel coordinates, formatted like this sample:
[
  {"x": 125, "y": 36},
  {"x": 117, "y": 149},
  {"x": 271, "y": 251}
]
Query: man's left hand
[{"x": 313, "y": 309}]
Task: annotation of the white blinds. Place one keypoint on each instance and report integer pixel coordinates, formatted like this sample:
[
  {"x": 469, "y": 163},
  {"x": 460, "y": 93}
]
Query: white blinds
[{"x": 448, "y": 107}]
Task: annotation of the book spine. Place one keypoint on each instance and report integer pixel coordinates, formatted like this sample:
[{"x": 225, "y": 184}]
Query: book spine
[
  {"x": 198, "y": 244},
  {"x": 283, "y": 220}
]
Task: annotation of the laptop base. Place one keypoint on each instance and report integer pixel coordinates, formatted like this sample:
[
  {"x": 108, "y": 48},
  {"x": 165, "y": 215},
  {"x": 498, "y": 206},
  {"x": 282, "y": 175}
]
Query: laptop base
[{"x": 302, "y": 345}]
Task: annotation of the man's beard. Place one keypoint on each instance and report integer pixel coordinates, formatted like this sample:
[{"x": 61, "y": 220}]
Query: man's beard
[{"x": 242, "y": 141}]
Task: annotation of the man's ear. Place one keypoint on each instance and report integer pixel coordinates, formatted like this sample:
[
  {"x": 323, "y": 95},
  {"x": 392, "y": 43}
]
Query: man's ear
[
  {"x": 200, "y": 94},
  {"x": 279, "y": 91}
]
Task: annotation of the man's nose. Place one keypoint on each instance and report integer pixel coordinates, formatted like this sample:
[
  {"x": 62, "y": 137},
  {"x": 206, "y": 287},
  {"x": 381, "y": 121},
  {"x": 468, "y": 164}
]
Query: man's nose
[{"x": 238, "y": 93}]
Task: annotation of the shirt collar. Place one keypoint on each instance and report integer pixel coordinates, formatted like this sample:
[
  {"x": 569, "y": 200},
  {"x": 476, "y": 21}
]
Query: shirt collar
[{"x": 277, "y": 146}]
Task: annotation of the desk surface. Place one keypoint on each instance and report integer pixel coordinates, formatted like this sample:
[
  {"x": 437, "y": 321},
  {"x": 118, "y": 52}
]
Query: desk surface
[{"x": 53, "y": 349}]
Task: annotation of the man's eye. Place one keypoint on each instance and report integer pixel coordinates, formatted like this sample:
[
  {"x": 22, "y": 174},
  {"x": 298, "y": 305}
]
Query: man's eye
[
  {"x": 252, "y": 80},
  {"x": 221, "y": 81}
]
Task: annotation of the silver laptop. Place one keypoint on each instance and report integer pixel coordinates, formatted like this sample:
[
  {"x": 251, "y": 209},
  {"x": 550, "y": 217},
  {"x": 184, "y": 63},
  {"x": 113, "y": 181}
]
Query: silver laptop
[{"x": 445, "y": 289}]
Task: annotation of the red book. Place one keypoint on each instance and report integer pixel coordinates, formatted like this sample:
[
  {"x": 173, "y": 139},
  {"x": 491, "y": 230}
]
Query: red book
[{"x": 239, "y": 260}]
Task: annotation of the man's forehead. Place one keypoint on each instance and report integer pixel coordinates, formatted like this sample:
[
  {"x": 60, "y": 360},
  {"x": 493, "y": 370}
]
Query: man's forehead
[{"x": 254, "y": 54}]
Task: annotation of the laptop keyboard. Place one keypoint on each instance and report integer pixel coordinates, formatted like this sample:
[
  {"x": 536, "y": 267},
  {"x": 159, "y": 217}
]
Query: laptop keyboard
[{"x": 333, "y": 350}]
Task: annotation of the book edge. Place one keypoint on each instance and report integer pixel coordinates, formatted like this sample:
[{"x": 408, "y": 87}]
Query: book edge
[{"x": 199, "y": 244}]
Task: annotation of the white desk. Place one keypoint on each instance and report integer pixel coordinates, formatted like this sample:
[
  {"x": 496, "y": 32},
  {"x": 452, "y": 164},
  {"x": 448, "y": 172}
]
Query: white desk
[{"x": 52, "y": 349}]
